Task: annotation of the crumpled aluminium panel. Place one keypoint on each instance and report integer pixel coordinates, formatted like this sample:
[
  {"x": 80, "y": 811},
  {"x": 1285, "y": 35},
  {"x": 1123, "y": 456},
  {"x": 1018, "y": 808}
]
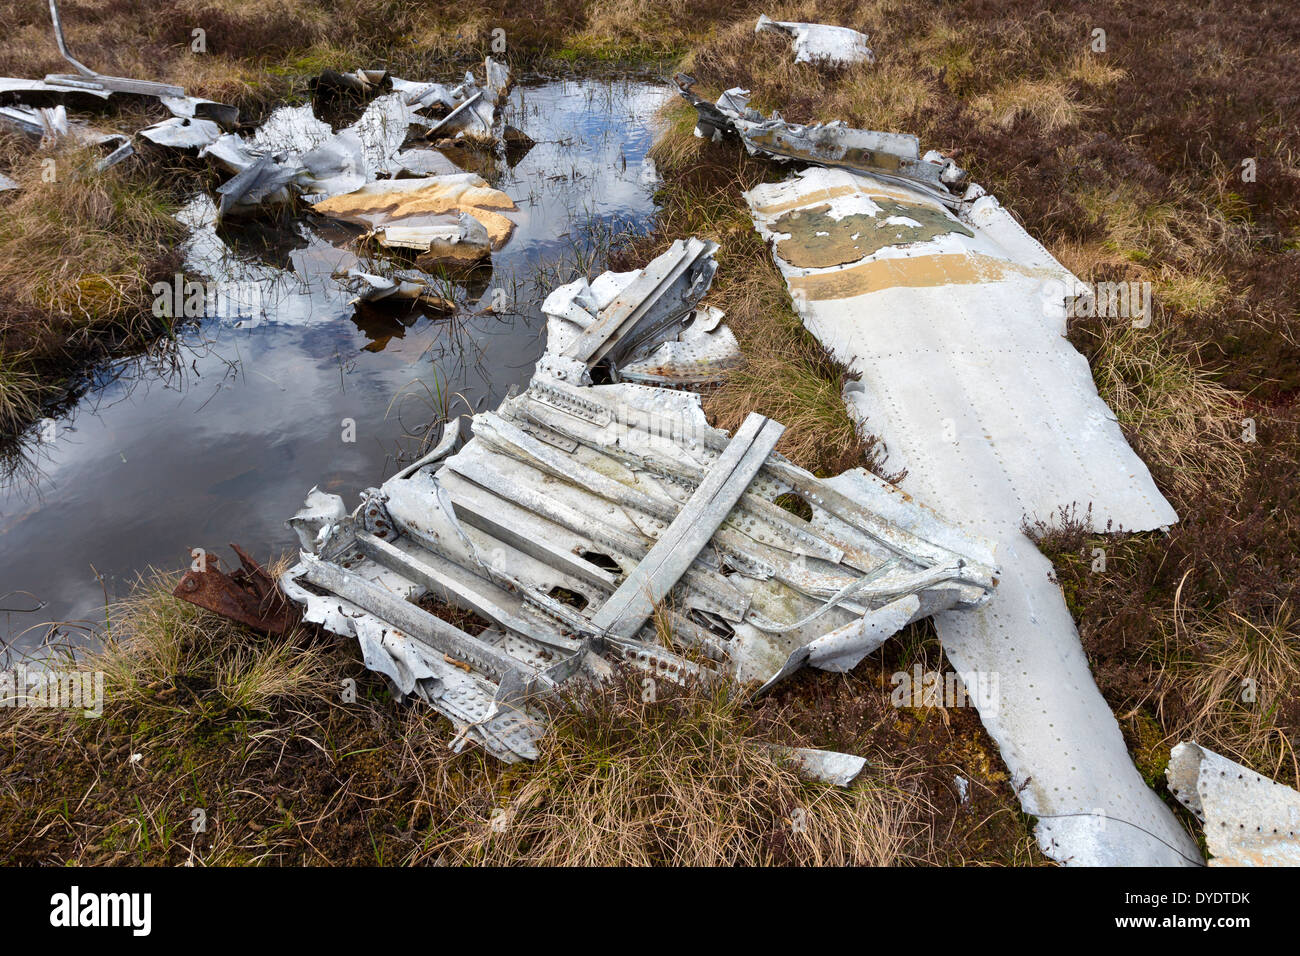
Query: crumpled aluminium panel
[
  {"x": 456, "y": 216},
  {"x": 893, "y": 156},
  {"x": 575, "y": 508},
  {"x": 820, "y": 43},
  {"x": 1249, "y": 820},
  {"x": 955, "y": 326},
  {"x": 664, "y": 340},
  {"x": 294, "y": 152}
]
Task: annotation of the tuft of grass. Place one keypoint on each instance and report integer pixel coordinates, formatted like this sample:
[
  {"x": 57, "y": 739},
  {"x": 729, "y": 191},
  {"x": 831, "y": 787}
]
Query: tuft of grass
[
  {"x": 18, "y": 390},
  {"x": 887, "y": 96},
  {"x": 1186, "y": 426},
  {"x": 1046, "y": 102},
  {"x": 79, "y": 251},
  {"x": 1196, "y": 294},
  {"x": 1091, "y": 69},
  {"x": 687, "y": 778},
  {"x": 82, "y": 245},
  {"x": 1239, "y": 687},
  {"x": 158, "y": 642},
  {"x": 201, "y": 713}
]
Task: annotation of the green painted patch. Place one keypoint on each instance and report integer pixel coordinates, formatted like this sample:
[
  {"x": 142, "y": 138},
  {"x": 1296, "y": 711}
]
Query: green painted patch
[{"x": 818, "y": 240}]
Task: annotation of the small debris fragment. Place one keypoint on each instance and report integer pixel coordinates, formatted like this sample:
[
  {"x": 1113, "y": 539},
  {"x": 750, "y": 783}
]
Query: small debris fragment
[
  {"x": 248, "y": 595},
  {"x": 825, "y": 766},
  {"x": 1249, "y": 820},
  {"x": 819, "y": 43}
]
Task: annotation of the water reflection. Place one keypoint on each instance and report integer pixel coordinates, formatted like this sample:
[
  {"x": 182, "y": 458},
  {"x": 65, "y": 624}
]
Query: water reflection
[{"x": 217, "y": 435}]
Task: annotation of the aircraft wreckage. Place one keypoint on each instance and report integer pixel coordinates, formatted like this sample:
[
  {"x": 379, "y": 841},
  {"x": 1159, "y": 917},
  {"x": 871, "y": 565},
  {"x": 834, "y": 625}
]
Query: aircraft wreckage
[
  {"x": 598, "y": 504},
  {"x": 577, "y": 512},
  {"x": 954, "y": 319}
]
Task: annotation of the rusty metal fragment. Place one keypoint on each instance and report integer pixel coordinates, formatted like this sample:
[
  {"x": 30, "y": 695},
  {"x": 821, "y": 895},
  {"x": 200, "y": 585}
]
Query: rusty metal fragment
[{"x": 248, "y": 595}]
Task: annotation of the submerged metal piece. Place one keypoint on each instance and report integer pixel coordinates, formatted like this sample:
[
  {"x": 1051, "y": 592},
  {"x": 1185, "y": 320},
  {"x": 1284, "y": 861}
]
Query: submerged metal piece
[
  {"x": 594, "y": 525},
  {"x": 957, "y": 334},
  {"x": 1249, "y": 820}
]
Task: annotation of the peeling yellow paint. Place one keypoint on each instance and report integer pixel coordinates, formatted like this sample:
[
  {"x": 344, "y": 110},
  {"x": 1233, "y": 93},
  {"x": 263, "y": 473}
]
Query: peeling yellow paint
[
  {"x": 875, "y": 193},
  {"x": 906, "y": 272},
  {"x": 376, "y": 205}
]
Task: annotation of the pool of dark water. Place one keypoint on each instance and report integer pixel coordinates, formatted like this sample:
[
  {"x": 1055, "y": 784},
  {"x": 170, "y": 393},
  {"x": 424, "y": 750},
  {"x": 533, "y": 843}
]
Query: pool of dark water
[{"x": 218, "y": 435}]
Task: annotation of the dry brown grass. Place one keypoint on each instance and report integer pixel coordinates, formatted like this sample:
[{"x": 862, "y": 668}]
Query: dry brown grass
[
  {"x": 687, "y": 779},
  {"x": 79, "y": 251},
  {"x": 1046, "y": 102},
  {"x": 254, "y": 731},
  {"x": 1186, "y": 426},
  {"x": 1245, "y": 677}
]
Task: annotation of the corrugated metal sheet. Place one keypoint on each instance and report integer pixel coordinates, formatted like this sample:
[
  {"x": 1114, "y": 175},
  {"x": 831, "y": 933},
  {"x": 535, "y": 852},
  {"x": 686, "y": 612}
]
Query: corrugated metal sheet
[{"x": 578, "y": 512}]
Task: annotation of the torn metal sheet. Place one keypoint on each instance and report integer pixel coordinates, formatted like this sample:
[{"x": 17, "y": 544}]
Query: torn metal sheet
[
  {"x": 336, "y": 166},
  {"x": 620, "y": 317},
  {"x": 957, "y": 331},
  {"x": 425, "y": 162},
  {"x": 195, "y": 107},
  {"x": 893, "y": 156},
  {"x": 7, "y": 183},
  {"x": 1249, "y": 820},
  {"x": 51, "y": 125},
  {"x": 819, "y": 43},
  {"x": 577, "y": 513},
  {"x": 476, "y": 115},
  {"x": 14, "y": 89},
  {"x": 183, "y": 133},
  {"x": 299, "y": 154},
  {"x": 704, "y": 351},
  {"x": 264, "y": 182}
]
